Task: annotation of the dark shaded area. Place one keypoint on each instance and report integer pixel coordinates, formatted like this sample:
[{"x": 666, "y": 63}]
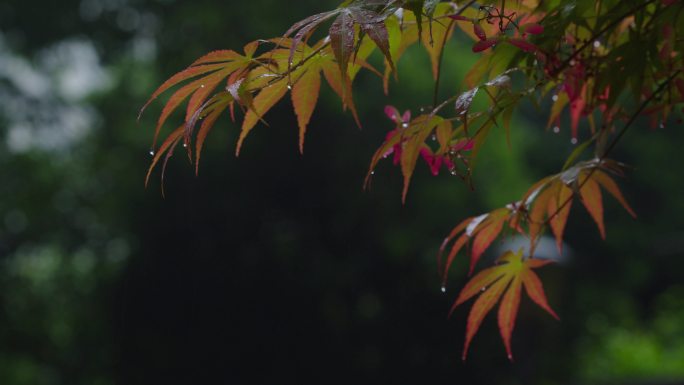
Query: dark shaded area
[{"x": 277, "y": 268}]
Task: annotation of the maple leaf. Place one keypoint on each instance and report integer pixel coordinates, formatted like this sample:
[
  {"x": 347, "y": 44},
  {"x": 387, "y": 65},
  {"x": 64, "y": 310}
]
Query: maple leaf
[
  {"x": 208, "y": 71},
  {"x": 482, "y": 231},
  {"x": 503, "y": 283},
  {"x": 550, "y": 199}
]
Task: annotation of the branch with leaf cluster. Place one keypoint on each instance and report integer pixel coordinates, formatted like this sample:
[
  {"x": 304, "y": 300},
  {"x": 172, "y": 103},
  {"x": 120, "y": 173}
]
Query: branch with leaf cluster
[{"x": 571, "y": 56}]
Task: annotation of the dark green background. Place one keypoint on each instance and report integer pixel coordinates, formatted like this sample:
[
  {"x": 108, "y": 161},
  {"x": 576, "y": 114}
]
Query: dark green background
[{"x": 277, "y": 268}]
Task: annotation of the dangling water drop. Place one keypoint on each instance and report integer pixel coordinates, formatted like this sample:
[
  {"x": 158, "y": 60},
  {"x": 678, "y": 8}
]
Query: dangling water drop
[
  {"x": 662, "y": 125},
  {"x": 443, "y": 289},
  {"x": 434, "y": 137},
  {"x": 573, "y": 140},
  {"x": 554, "y": 98},
  {"x": 373, "y": 172},
  {"x": 151, "y": 152},
  {"x": 483, "y": 289},
  {"x": 185, "y": 145},
  {"x": 572, "y": 62},
  {"x": 453, "y": 172},
  {"x": 597, "y": 44},
  {"x": 556, "y": 129},
  {"x": 201, "y": 85},
  {"x": 289, "y": 87},
  {"x": 405, "y": 125},
  {"x": 510, "y": 357}
]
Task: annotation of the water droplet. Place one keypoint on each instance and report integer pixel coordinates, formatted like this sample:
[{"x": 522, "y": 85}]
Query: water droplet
[
  {"x": 443, "y": 289},
  {"x": 556, "y": 129},
  {"x": 510, "y": 357},
  {"x": 434, "y": 137},
  {"x": 453, "y": 171},
  {"x": 289, "y": 87},
  {"x": 185, "y": 145},
  {"x": 573, "y": 140},
  {"x": 483, "y": 289},
  {"x": 422, "y": 109},
  {"x": 554, "y": 98},
  {"x": 405, "y": 125},
  {"x": 151, "y": 152},
  {"x": 572, "y": 62},
  {"x": 372, "y": 172},
  {"x": 531, "y": 90},
  {"x": 662, "y": 125},
  {"x": 597, "y": 44},
  {"x": 201, "y": 85}
]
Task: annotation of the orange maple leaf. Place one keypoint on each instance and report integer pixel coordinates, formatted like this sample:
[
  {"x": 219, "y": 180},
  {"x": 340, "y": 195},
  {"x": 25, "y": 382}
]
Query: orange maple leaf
[{"x": 502, "y": 282}]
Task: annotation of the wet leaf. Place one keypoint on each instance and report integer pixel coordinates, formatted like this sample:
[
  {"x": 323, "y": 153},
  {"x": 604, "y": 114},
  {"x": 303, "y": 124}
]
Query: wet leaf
[{"x": 503, "y": 283}]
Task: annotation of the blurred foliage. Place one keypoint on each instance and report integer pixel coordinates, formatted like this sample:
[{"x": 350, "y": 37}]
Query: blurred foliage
[{"x": 276, "y": 267}]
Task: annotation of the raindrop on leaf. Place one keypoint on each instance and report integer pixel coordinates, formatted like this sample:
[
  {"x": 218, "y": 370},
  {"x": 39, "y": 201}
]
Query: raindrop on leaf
[
  {"x": 151, "y": 152},
  {"x": 556, "y": 129},
  {"x": 405, "y": 125},
  {"x": 443, "y": 289},
  {"x": 573, "y": 140}
]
